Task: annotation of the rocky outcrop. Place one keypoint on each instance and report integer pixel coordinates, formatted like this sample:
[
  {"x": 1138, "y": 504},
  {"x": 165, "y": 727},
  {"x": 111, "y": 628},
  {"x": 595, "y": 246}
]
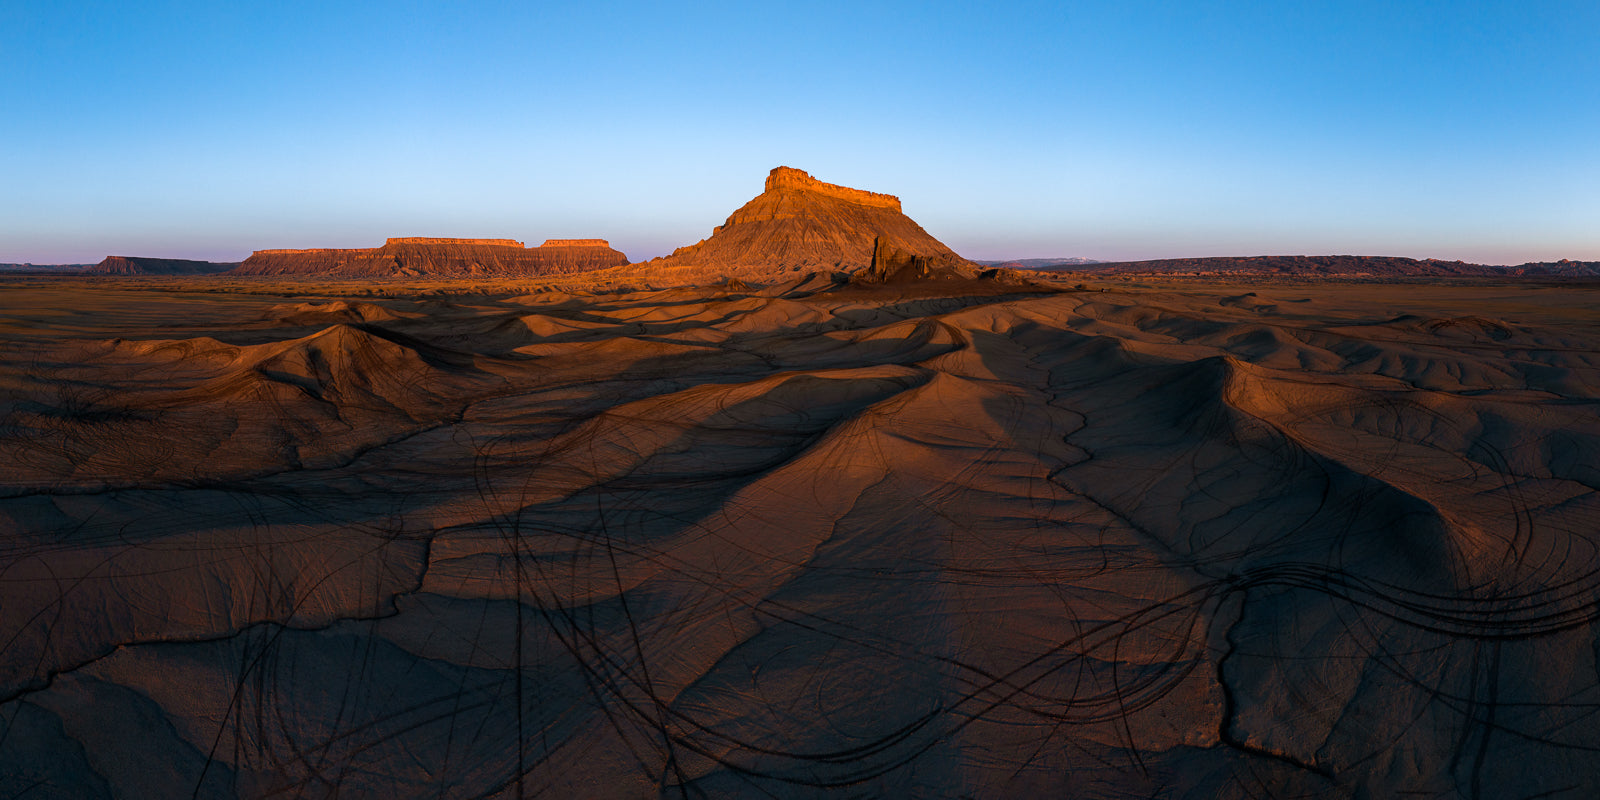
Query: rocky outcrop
[
  {"x": 410, "y": 257},
  {"x": 800, "y": 223},
  {"x": 139, "y": 265},
  {"x": 891, "y": 264}
]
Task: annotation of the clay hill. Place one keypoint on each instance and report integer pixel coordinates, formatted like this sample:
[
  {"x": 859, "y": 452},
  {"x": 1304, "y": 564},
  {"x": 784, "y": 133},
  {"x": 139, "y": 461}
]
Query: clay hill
[
  {"x": 449, "y": 258},
  {"x": 138, "y": 265},
  {"x": 800, "y": 223}
]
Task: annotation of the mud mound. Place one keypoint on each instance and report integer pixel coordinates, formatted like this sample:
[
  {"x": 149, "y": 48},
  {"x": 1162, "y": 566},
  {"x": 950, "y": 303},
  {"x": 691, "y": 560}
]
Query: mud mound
[
  {"x": 332, "y": 311},
  {"x": 243, "y": 410},
  {"x": 1469, "y": 326}
]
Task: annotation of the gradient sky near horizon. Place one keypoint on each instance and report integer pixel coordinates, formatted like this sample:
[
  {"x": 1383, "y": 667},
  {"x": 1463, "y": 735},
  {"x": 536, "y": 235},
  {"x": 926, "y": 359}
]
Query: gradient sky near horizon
[{"x": 1111, "y": 130}]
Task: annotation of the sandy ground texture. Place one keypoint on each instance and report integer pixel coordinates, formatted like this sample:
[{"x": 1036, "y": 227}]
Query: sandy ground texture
[{"x": 807, "y": 539}]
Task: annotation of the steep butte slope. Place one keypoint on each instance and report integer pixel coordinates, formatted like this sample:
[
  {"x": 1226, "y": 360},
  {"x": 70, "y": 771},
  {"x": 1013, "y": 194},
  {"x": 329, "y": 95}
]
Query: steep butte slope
[
  {"x": 414, "y": 257},
  {"x": 138, "y": 265},
  {"x": 800, "y": 223}
]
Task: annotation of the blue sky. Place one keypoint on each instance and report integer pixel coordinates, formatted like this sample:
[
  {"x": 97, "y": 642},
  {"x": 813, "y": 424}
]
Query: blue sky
[{"x": 1113, "y": 130}]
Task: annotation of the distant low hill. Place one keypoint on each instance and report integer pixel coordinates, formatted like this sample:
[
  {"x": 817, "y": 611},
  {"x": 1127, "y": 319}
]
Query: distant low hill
[
  {"x": 1564, "y": 268},
  {"x": 1327, "y": 266},
  {"x": 139, "y": 265},
  {"x": 1040, "y": 263},
  {"x": 44, "y": 267}
]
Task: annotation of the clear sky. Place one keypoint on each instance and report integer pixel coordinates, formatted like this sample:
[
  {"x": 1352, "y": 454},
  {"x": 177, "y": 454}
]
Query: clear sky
[{"x": 1112, "y": 130}]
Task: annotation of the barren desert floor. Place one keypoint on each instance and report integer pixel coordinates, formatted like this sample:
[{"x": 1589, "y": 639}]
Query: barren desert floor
[{"x": 1198, "y": 540}]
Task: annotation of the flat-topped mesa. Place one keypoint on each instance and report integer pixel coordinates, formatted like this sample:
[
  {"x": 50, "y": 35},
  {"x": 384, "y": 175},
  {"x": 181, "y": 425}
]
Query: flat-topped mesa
[
  {"x": 575, "y": 243},
  {"x": 419, "y": 256},
  {"x": 438, "y": 240},
  {"x": 141, "y": 265},
  {"x": 791, "y": 178}
]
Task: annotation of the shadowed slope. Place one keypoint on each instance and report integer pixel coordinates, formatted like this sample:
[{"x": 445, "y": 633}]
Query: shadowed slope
[{"x": 138, "y": 265}]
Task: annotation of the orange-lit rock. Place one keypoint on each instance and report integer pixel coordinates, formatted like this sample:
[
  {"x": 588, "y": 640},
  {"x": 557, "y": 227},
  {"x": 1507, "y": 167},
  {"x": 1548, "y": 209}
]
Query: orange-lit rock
[{"x": 791, "y": 179}]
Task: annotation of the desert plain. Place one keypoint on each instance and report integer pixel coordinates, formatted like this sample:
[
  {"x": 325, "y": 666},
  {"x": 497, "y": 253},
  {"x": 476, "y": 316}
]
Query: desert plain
[{"x": 799, "y": 537}]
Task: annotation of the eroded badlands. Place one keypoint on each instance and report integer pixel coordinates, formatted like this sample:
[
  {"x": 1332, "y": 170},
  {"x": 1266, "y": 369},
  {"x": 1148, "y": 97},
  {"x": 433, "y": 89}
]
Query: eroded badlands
[{"x": 921, "y": 539}]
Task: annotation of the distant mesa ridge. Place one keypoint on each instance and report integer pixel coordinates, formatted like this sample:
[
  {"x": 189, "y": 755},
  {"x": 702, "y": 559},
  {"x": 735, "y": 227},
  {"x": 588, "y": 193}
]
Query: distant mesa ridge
[
  {"x": 140, "y": 265},
  {"x": 394, "y": 240},
  {"x": 421, "y": 256},
  {"x": 1328, "y": 266}
]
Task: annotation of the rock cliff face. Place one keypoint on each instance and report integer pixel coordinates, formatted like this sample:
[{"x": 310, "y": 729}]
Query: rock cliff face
[
  {"x": 891, "y": 264},
  {"x": 138, "y": 265},
  {"x": 800, "y": 223},
  {"x": 432, "y": 257},
  {"x": 791, "y": 179}
]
